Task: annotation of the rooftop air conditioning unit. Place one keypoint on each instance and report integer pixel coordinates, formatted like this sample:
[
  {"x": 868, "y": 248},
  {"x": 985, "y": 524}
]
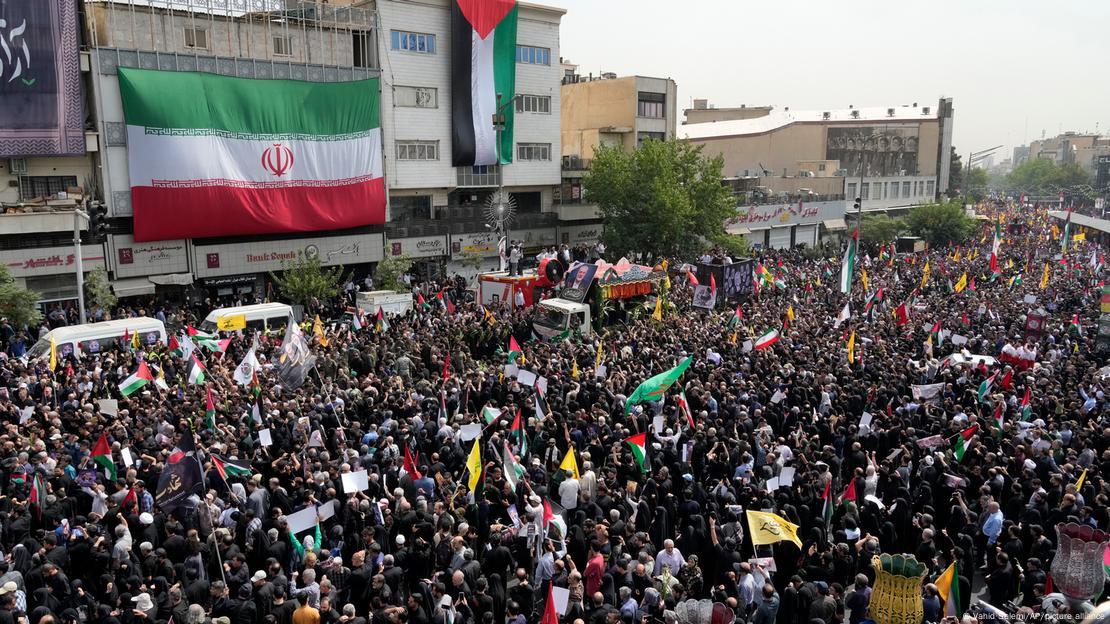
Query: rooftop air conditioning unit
[
  {"x": 826, "y": 115},
  {"x": 855, "y": 114},
  {"x": 17, "y": 166},
  {"x": 924, "y": 110},
  {"x": 890, "y": 112}
]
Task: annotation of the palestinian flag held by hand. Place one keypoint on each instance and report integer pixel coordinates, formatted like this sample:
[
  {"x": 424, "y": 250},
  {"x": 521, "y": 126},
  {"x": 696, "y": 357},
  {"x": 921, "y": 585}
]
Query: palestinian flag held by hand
[
  {"x": 1026, "y": 404},
  {"x": 827, "y": 504},
  {"x": 875, "y": 298},
  {"x": 409, "y": 464},
  {"x": 196, "y": 371},
  {"x": 962, "y": 440},
  {"x": 985, "y": 387},
  {"x": 209, "y": 410},
  {"x": 1074, "y": 326},
  {"x": 102, "y": 454},
  {"x": 227, "y": 467},
  {"x": 999, "y": 417},
  {"x": 1007, "y": 380},
  {"x": 849, "y": 492},
  {"x": 638, "y": 444},
  {"x": 381, "y": 324},
  {"x": 848, "y": 265},
  {"x": 484, "y": 57},
  {"x": 137, "y": 380},
  {"x": 514, "y": 349},
  {"x": 38, "y": 494}
]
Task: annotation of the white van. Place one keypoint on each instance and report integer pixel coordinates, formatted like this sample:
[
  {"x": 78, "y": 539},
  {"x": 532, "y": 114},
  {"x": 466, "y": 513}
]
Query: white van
[
  {"x": 92, "y": 338},
  {"x": 259, "y": 316}
]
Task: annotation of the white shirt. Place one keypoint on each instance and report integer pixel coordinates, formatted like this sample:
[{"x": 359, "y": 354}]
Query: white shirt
[{"x": 568, "y": 493}]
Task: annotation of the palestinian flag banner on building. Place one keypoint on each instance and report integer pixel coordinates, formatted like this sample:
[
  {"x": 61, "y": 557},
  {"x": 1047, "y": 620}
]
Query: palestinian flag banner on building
[
  {"x": 212, "y": 155},
  {"x": 483, "y": 67}
]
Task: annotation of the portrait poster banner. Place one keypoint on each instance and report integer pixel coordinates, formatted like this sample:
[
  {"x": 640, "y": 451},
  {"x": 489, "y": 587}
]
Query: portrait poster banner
[{"x": 42, "y": 111}]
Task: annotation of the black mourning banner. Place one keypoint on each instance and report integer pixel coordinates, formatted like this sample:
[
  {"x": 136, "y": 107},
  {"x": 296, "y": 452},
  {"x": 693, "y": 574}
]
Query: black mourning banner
[
  {"x": 42, "y": 112},
  {"x": 733, "y": 280}
]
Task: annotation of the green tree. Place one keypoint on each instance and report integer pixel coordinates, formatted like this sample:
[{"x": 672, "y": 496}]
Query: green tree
[
  {"x": 955, "y": 174},
  {"x": 1041, "y": 176},
  {"x": 98, "y": 292},
  {"x": 733, "y": 244},
  {"x": 305, "y": 281},
  {"x": 940, "y": 224},
  {"x": 976, "y": 185},
  {"x": 387, "y": 275},
  {"x": 665, "y": 199},
  {"x": 17, "y": 304},
  {"x": 880, "y": 229}
]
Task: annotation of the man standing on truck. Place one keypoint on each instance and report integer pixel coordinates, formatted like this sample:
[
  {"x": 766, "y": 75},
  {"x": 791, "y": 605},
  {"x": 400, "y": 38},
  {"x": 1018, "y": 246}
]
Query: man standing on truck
[{"x": 514, "y": 260}]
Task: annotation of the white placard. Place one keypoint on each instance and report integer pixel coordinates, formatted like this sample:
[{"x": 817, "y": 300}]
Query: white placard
[
  {"x": 657, "y": 423},
  {"x": 1030, "y": 299},
  {"x": 772, "y": 484},
  {"x": 469, "y": 432},
  {"x": 747, "y": 347},
  {"x": 526, "y": 377},
  {"x": 315, "y": 438},
  {"x": 108, "y": 407},
  {"x": 327, "y": 510},
  {"x": 767, "y": 563},
  {"x": 511, "y": 370},
  {"x": 600, "y": 372},
  {"x": 541, "y": 385},
  {"x": 865, "y": 420},
  {"x": 302, "y": 520},
  {"x": 355, "y": 482},
  {"x": 786, "y": 476},
  {"x": 561, "y": 596},
  {"x": 777, "y": 397},
  {"x": 875, "y": 499},
  {"x": 25, "y": 414},
  {"x": 959, "y": 340},
  {"x": 128, "y": 461},
  {"x": 264, "y": 437}
]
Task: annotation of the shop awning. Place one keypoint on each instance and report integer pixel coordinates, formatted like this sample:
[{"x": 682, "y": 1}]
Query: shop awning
[
  {"x": 172, "y": 279},
  {"x": 133, "y": 287},
  {"x": 834, "y": 224},
  {"x": 737, "y": 230}
]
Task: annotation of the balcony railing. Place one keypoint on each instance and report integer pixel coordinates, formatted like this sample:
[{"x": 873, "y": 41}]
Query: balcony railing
[{"x": 484, "y": 176}]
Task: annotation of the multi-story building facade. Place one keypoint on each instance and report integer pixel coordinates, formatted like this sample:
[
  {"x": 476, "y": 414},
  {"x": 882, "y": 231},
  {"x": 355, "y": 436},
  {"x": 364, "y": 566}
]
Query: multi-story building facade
[
  {"x": 797, "y": 171},
  {"x": 435, "y": 212},
  {"x": 611, "y": 111},
  {"x": 1080, "y": 148}
]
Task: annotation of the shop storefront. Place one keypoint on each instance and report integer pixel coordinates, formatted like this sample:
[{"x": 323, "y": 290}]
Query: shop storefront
[
  {"x": 429, "y": 254},
  {"x": 51, "y": 271},
  {"x": 781, "y": 226},
  {"x": 138, "y": 269},
  {"x": 574, "y": 235},
  {"x": 241, "y": 270}
]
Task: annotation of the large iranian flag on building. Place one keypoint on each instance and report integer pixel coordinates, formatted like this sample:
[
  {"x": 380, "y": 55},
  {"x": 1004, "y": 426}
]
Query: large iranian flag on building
[
  {"x": 212, "y": 155},
  {"x": 483, "y": 65}
]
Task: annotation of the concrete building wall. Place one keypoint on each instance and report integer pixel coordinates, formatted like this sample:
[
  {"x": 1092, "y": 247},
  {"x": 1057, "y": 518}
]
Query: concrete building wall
[
  {"x": 706, "y": 115},
  {"x": 79, "y": 167},
  {"x": 590, "y": 106}
]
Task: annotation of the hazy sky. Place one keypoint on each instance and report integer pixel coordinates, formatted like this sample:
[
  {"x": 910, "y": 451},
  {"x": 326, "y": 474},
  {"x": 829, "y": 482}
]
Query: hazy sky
[{"x": 1012, "y": 67}]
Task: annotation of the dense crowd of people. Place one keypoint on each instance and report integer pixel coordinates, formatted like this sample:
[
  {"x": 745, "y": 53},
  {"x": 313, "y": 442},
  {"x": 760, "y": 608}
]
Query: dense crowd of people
[{"x": 425, "y": 539}]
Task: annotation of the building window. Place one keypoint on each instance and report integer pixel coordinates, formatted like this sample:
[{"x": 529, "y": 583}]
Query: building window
[
  {"x": 196, "y": 38},
  {"x": 410, "y": 208},
  {"x": 533, "y": 151},
  {"x": 894, "y": 190},
  {"x": 362, "y": 46},
  {"x": 533, "y": 104},
  {"x": 649, "y": 136},
  {"x": 417, "y": 150},
  {"x": 876, "y": 190},
  {"x": 905, "y": 189},
  {"x": 651, "y": 105},
  {"x": 821, "y": 166},
  {"x": 532, "y": 55},
  {"x": 412, "y": 42},
  {"x": 31, "y": 187},
  {"x": 283, "y": 45},
  {"x": 852, "y": 191},
  {"x": 930, "y": 185},
  {"x": 415, "y": 97},
  {"x": 866, "y": 190}
]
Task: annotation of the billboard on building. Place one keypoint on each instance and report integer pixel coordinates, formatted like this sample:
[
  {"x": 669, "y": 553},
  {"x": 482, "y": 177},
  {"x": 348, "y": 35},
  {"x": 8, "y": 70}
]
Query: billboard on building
[
  {"x": 882, "y": 150},
  {"x": 42, "y": 111}
]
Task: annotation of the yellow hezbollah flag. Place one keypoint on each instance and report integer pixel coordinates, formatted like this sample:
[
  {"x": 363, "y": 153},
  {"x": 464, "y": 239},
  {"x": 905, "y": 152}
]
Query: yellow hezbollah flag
[
  {"x": 658, "y": 314},
  {"x": 768, "y": 528},
  {"x": 1082, "y": 478},
  {"x": 474, "y": 463},
  {"x": 570, "y": 463},
  {"x": 318, "y": 331},
  {"x": 574, "y": 369},
  {"x": 1044, "y": 278},
  {"x": 962, "y": 284},
  {"x": 863, "y": 278},
  {"x": 925, "y": 275},
  {"x": 790, "y": 313},
  {"x": 852, "y": 348},
  {"x": 231, "y": 323},
  {"x": 1082, "y": 236},
  {"x": 53, "y": 354},
  {"x": 597, "y": 361}
]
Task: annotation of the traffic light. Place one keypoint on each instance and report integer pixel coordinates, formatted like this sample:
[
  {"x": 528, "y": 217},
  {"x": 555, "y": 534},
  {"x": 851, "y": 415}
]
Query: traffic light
[
  {"x": 856, "y": 205},
  {"x": 98, "y": 222}
]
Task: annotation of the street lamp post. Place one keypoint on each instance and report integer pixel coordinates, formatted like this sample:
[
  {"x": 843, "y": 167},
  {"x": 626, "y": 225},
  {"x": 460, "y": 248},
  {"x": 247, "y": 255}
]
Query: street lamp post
[{"x": 502, "y": 221}]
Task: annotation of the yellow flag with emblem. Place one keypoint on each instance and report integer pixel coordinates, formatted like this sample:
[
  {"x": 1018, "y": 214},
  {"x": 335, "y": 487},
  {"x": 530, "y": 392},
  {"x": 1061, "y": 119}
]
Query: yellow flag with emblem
[
  {"x": 318, "y": 331},
  {"x": 570, "y": 462},
  {"x": 231, "y": 323},
  {"x": 658, "y": 313},
  {"x": 1044, "y": 278},
  {"x": 769, "y": 528},
  {"x": 474, "y": 463},
  {"x": 790, "y": 313},
  {"x": 925, "y": 274},
  {"x": 962, "y": 284},
  {"x": 53, "y": 354},
  {"x": 852, "y": 348},
  {"x": 863, "y": 278},
  {"x": 574, "y": 369},
  {"x": 597, "y": 360}
]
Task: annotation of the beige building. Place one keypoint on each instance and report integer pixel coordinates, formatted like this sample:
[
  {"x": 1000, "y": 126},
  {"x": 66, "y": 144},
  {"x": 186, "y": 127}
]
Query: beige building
[
  {"x": 1081, "y": 148},
  {"x": 889, "y": 156},
  {"x": 608, "y": 110}
]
